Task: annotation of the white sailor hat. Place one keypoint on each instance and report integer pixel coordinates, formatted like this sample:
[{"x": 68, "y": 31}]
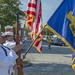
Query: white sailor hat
[
  {"x": 3, "y": 34},
  {"x": 9, "y": 33},
  {"x": 9, "y": 27}
]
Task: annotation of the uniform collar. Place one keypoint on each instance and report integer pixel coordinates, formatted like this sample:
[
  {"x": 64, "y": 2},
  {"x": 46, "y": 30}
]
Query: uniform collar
[{"x": 10, "y": 41}]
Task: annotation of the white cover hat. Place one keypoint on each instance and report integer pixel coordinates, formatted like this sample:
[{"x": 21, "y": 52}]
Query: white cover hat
[
  {"x": 9, "y": 27},
  {"x": 3, "y": 34},
  {"x": 9, "y": 33}
]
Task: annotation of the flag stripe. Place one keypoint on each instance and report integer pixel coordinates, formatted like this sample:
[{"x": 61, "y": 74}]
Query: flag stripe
[
  {"x": 32, "y": 5},
  {"x": 34, "y": 20},
  {"x": 31, "y": 13}
]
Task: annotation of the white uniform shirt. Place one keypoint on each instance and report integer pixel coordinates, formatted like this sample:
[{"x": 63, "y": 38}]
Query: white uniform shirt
[
  {"x": 6, "y": 61},
  {"x": 11, "y": 44}
]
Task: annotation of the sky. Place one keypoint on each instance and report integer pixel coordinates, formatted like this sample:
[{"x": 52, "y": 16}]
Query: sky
[{"x": 48, "y": 8}]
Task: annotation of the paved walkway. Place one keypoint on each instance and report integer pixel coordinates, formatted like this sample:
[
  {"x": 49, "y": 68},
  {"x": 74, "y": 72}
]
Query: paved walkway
[
  {"x": 49, "y": 58},
  {"x": 56, "y": 64}
]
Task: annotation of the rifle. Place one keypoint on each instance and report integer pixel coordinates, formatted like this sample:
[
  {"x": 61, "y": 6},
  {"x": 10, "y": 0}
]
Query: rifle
[{"x": 18, "y": 42}]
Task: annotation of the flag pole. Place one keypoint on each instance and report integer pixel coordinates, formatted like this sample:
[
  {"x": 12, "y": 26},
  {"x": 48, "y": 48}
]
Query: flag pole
[
  {"x": 18, "y": 42},
  {"x": 33, "y": 41}
]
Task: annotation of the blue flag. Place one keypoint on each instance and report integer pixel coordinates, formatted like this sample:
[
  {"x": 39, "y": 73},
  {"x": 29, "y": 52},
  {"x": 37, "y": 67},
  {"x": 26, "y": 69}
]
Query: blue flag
[{"x": 62, "y": 22}]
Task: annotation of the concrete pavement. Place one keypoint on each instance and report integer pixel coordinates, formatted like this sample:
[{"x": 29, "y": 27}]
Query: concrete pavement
[
  {"x": 49, "y": 64},
  {"x": 54, "y": 61},
  {"x": 49, "y": 58}
]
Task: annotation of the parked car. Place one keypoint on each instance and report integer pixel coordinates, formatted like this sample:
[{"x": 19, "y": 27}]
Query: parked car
[
  {"x": 60, "y": 42},
  {"x": 44, "y": 38}
]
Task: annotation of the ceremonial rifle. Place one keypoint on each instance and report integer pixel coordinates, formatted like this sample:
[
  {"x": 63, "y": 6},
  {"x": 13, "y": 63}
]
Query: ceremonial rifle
[{"x": 20, "y": 72}]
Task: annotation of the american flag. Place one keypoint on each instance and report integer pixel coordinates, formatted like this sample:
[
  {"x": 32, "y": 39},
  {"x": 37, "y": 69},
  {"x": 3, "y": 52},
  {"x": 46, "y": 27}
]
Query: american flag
[{"x": 34, "y": 21}]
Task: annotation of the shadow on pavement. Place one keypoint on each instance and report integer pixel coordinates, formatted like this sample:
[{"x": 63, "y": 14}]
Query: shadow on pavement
[{"x": 49, "y": 69}]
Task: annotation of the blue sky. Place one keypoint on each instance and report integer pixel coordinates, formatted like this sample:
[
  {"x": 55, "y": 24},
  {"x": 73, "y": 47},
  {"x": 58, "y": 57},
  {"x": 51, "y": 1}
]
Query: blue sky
[{"x": 48, "y": 8}]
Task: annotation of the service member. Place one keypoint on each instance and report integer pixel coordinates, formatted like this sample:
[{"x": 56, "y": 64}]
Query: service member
[
  {"x": 49, "y": 42},
  {"x": 10, "y": 43},
  {"x": 7, "y": 56},
  {"x": 9, "y": 28}
]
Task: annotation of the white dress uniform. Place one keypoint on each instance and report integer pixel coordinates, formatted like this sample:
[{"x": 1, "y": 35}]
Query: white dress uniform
[
  {"x": 7, "y": 57},
  {"x": 11, "y": 44}
]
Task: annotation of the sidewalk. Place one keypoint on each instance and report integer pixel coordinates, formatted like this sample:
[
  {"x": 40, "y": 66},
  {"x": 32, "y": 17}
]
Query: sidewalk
[
  {"x": 57, "y": 64},
  {"x": 49, "y": 58}
]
